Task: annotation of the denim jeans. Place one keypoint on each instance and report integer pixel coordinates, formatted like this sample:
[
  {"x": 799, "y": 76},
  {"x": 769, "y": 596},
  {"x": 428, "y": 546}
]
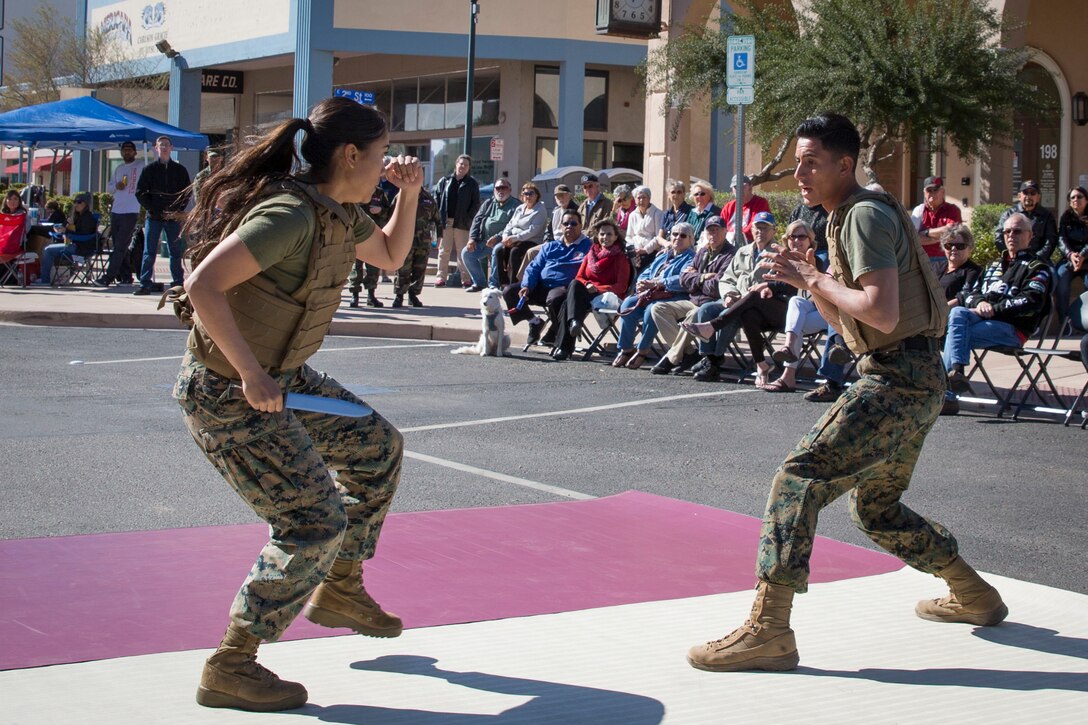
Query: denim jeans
[
  {"x": 473, "y": 260},
  {"x": 828, "y": 370},
  {"x": 49, "y": 258},
  {"x": 967, "y": 330},
  {"x": 153, "y": 231},
  {"x": 719, "y": 343},
  {"x": 629, "y": 325},
  {"x": 1066, "y": 275}
]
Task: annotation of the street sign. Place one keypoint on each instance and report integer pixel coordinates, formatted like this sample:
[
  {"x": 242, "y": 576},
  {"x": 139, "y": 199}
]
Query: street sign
[
  {"x": 741, "y": 57},
  {"x": 742, "y": 96},
  {"x": 496, "y": 149},
  {"x": 366, "y": 98}
]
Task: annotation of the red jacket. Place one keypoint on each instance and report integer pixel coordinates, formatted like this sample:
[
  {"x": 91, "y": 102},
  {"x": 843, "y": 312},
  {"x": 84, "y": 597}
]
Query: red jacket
[{"x": 613, "y": 271}]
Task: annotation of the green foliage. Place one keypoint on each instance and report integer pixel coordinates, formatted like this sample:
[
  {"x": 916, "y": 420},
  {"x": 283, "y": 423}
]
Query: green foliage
[
  {"x": 898, "y": 69},
  {"x": 984, "y": 220}
]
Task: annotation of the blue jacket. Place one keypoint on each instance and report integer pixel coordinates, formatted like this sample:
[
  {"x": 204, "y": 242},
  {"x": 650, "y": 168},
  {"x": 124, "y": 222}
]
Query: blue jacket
[
  {"x": 556, "y": 264},
  {"x": 667, "y": 267}
]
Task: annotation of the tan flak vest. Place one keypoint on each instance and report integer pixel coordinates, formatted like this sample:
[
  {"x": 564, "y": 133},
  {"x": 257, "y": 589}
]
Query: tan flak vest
[
  {"x": 922, "y": 310},
  {"x": 284, "y": 330}
]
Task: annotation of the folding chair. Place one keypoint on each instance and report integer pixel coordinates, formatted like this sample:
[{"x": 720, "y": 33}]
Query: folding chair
[
  {"x": 79, "y": 263},
  {"x": 13, "y": 256},
  {"x": 596, "y": 343},
  {"x": 1039, "y": 358},
  {"x": 1025, "y": 358}
]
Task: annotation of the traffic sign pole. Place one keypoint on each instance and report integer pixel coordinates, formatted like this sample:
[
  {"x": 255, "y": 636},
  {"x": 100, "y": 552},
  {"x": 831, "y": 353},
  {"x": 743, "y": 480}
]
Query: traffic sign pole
[
  {"x": 740, "y": 77},
  {"x": 738, "y": 213}
]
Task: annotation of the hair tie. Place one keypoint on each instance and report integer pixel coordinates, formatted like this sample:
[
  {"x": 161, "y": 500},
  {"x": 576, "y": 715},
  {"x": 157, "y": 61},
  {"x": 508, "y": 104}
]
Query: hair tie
[{"x": 309, "y": 126}]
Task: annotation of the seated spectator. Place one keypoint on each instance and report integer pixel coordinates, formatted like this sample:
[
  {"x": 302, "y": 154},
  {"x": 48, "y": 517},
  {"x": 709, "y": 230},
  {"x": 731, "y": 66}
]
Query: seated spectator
[
  {"x": 1044, "y": 230},
  {"x": 741, "y": 283},
  {"x": 622, "y": 205},
  {"x": 485, "y": 234},
  {"x": 13, "y": 204},
  {"x": 700, "y": 279},
  {"x": 959, "y": 275},
  {"x": 564, "y": 200},
  {"x": 676, "y": 210},
  {"x": 1073, "y": 243},
  {"x": 81, "y": 223},
  {"x": 595, "y": 206},
  {"x": 751, "y": 205},
  {"x": 54, "y": 214},
  {"x": 1005, "y": 307},
  {"x": 548, "y": 276},
  {"x": 658, "y": 282},
  {"x": 703, "y": 196},
  {"x": 643, "y": 228},
  {"x": 524, "y": 231},
  {"x": 761, "y": 309},
  {"x": 604, "y": 271},
  {"x": 802, "y": 316}
]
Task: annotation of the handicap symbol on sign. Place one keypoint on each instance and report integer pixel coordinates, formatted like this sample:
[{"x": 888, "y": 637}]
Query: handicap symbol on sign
[{"x": 740, "y": 61}]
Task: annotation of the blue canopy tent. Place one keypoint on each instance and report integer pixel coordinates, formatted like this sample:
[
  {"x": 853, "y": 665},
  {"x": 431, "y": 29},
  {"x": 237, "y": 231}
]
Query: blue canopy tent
[{"x": 88, "y": 124}]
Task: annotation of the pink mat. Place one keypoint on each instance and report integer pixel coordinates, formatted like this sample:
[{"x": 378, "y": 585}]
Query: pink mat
[{"x": 78, "y": 598}]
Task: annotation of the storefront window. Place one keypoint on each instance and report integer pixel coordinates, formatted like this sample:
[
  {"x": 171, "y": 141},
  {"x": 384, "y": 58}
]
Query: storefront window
[
  {"x": 405, "y": 106},
  {"x": 455, "y": 102},
  {"x": 432, "y": 104},
  {"x": 627, "y": 156},
  {"x": 593, "y": 154},
  {"x": 485, "y": 99},
  {"x": 1037, "y": 144},
  {"x": 546, "y": 99}
]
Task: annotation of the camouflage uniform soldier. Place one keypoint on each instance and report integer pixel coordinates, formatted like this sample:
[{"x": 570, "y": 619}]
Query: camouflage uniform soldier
[
  {"x": 885, "y": 301},
  {"x": 380, "y": 208},
  {"x": 410, "y": 276},
  {"x": 287, "y": 246}
]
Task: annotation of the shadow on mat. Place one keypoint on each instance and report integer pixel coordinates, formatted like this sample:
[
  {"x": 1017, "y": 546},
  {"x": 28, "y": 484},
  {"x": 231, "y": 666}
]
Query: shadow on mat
[
  {"x": 1014, "y": 680},
  {"x": 552, "y": 701},
  {"x": 1025, "y": 636}
]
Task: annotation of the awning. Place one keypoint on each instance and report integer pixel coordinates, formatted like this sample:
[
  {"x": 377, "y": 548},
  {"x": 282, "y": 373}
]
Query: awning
[{"x": 40, "y": 163}]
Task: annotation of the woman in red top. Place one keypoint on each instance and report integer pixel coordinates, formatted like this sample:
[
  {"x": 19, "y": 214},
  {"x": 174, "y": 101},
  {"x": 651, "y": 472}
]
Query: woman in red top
[{"x": 605, "y": 269}]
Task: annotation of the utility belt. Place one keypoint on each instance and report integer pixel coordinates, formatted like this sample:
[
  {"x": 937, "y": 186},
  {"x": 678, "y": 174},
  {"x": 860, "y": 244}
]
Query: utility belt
[{"x": 915, "y": 343}]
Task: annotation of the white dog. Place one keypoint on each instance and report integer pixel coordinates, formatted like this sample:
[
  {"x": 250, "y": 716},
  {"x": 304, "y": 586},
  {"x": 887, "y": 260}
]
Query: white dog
[{"x": 493, "y": 338}]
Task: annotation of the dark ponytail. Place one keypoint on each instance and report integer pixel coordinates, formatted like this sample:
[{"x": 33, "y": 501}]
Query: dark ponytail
[{"x": 230, "y": 192}]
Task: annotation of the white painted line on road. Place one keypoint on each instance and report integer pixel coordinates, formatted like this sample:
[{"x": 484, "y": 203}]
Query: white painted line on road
[
  {"x": 331, "y": 349},
  {"x": 535, "y": 485},
  {"x": 572, "y": 411}
]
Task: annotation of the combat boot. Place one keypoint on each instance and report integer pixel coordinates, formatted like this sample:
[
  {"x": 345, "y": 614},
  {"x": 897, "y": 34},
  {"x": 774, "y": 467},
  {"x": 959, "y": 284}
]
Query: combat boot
[
  {"x": 372, "y": 300},
  {"x": 413, "y": 298},
  {"x": 341, "y": 601},
  {"x": 398, "y": 301},
  {"x": 354, "y": 300},
  {"x": 232, "y": 677},
  {"x": 970, "y": 599},
  {"x": 764, "y": 642}
]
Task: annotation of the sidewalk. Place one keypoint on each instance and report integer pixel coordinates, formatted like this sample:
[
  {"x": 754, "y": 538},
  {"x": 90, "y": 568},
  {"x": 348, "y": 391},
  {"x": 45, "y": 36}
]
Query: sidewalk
[{"x": 449, "y": 315}]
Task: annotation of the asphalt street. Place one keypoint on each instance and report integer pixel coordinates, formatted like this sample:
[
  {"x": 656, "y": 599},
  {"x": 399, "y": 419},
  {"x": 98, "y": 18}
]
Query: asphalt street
[{"x": 100, "y": 446}]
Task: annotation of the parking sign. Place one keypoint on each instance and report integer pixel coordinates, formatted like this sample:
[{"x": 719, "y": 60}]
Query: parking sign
[{"x": 741, "y": 56}]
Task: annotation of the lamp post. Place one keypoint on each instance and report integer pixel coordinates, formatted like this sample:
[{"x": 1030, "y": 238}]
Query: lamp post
[{"x": 473, "y": 14}]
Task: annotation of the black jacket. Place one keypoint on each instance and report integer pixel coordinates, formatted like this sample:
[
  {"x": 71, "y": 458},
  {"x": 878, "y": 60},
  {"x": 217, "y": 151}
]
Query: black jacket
[
  {"x": 468, "y": 200},
  {"x": 1044, "y": 230},
  {"x": 1018, "y": 289},
  {"x": 163, "y": 187},
  {"x": 1072, "y": 234}
]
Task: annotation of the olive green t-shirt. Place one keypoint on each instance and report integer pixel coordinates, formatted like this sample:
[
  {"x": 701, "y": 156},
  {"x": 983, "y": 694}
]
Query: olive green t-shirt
[
  {"x": 873, "y": 238},
  {"x": 279, "y": 233}
]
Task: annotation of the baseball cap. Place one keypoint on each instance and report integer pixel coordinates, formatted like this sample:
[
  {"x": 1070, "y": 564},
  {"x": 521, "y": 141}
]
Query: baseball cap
[
  {"x": 128, "y": 144},
  {"x": 562, "y": 189},
  {"x": 933, "y": 181},
  {"x": 1029, "y": 185},
  {"x": 82, "y": 196},
  {"x": 764, "y": 217},
  {"x": 714, "y": 221},
  {"x": 503, "y": 183},
  {"x": 590, "y": 179},
  {"x": 744, "y": 180}
]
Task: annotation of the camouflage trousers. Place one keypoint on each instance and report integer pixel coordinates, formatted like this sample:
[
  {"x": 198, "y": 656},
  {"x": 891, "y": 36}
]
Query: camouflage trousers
[
  {"x": 279, "y": 463},
  {"x": 369, "y": 274},
  {"x": 867, "y": 444},
  {"x": 410, "y": 276}
]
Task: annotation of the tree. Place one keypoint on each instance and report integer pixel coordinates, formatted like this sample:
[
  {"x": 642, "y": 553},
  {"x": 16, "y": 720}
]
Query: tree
[
  {"x": 900, "y": 70},
  {"x": 48, "y": 53}
]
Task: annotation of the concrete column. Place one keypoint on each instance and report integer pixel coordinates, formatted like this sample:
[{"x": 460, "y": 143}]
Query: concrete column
[
  {"x": 313, "y": 64},
  {"x": 572, "y": 90},
  {"x": 183, "y": 107}
]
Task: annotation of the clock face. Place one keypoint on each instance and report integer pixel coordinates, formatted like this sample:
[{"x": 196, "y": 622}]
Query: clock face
[{"x": 634, "y": 11}]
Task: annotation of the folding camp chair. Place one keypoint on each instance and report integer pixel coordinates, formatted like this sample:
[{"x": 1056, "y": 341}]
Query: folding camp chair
[
  {"x": 1025, "y": 357},
  {"x": 13, "y": 256},
  {"x": 77, "y": 266}
]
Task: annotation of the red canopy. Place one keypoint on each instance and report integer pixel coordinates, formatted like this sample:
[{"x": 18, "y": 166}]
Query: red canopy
[{"x": 40, "y": 163}]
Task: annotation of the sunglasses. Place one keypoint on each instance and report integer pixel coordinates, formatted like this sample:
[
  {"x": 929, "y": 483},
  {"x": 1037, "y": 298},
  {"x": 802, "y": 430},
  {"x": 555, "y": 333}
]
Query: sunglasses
[
  {"x": 680, "y": 235},
  {"x": 1007, "y": 232},
  {"x": 502, "y": 188},
  {"x": 796, "y": 237},
  {"x": 698, "y": 193},
  {"x": 571, "y": 223},
  {"x": 1074, "y": 197},
  {"x": 528, "y": 192},
  {"x": 960, "y": 246}
]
